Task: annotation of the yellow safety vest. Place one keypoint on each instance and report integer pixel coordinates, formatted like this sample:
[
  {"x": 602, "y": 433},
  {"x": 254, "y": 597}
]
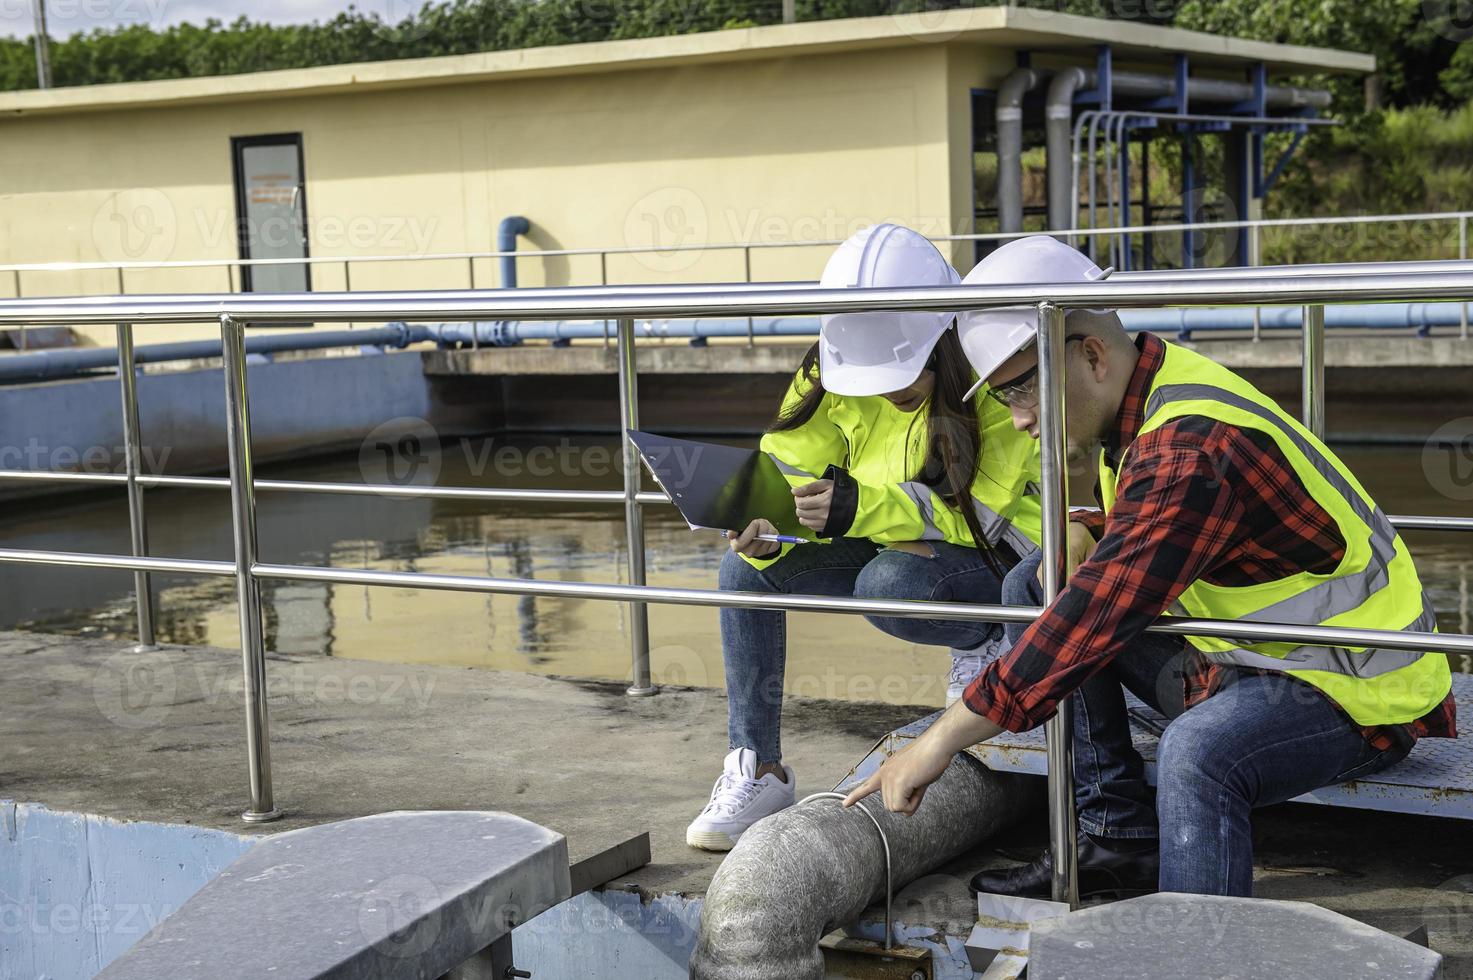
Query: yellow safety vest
[
  {"x": 1375, "y": 586},
  {"x": 882, "y": 448}
]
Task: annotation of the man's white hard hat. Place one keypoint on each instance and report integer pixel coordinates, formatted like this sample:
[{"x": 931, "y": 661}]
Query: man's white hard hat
[
  {"x": 880, "y": 352},
  {"x": 990, "y": 337}
]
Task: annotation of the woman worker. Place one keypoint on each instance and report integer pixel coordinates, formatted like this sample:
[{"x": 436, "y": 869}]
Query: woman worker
[{"x": 910, "y": 490}]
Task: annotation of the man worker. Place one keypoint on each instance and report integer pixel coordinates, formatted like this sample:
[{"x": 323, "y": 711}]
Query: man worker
[{"x": 1216, "y": 504}]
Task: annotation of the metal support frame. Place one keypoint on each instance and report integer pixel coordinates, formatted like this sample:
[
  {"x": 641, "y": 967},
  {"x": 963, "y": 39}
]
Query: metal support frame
[
  {"x": 1312, "y": 328},
  {"x": 137, "y": 517},
  {"x": 639, "y": 623},
  {"x": 247, "y": 586},
  {"x": 1058, "y": 730}
]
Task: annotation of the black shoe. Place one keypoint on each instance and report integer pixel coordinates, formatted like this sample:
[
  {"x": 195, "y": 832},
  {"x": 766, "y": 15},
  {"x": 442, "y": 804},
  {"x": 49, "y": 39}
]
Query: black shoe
[{"x": 1119, "y": 869}]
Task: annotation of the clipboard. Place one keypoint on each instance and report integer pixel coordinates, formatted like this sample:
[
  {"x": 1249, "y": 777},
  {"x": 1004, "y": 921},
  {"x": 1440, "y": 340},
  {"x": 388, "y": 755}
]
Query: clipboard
[{"x": 722, "y": 488}]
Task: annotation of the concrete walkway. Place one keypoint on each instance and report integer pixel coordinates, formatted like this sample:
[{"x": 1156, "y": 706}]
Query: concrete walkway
[{"x": 90, "y": 726}]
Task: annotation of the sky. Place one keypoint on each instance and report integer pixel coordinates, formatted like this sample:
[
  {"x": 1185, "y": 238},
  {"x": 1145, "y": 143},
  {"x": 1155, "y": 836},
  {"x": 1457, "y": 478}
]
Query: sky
[{"x": 67, "y": 17}]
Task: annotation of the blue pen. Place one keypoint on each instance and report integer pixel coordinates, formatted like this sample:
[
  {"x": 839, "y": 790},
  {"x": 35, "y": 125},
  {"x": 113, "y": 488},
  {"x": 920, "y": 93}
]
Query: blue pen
[{"x": 782, "y": 538}]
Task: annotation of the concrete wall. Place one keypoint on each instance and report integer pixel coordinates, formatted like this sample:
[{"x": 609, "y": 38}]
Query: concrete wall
[
  {"x": 313, "y": 405},
  {"x": 779, "y": 149},
  {"x": 77, "y": 890}
]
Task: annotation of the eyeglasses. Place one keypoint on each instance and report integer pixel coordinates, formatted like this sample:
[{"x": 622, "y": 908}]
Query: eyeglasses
[{"x": 1022, "y": 390}]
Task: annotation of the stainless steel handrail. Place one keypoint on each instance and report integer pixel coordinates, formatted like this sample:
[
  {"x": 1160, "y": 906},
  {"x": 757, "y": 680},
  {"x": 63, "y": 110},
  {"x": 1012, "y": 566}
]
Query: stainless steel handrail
[
  {"x": 1266, "y": 287},
  {"x": 231, "y": 313}
]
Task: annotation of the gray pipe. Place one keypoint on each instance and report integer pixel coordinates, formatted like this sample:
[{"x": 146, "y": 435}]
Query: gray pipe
[
  {"x": 1059, "y": 112},
  {"x": 1058, "y": 115},
  {"x": 1010, "y": 147},
  {"x": 800, "y": 873}
]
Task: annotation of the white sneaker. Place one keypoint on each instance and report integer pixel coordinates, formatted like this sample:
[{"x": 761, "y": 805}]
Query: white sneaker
[
  {"x": 967, "y": 664},
  {"x": 738, "y": 800}
]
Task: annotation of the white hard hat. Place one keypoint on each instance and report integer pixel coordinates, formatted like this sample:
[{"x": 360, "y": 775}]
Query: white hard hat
[
  {"x": 990, "y": 337},
  {"x": 880, "y": 352}
]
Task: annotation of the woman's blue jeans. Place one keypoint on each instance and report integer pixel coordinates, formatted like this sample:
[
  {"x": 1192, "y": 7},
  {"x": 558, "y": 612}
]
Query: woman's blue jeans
[
  {"x": 754, "y": 641},
  {"x": 1261, "y": 739}
]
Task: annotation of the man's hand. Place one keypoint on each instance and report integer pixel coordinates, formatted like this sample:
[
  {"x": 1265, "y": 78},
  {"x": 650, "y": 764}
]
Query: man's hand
[
  {"x": 747, "y": 543},
  {"x": 1081, "y": 546},
  {"x": 812, "y": 502},
  {"x": 903, "y": 778}
]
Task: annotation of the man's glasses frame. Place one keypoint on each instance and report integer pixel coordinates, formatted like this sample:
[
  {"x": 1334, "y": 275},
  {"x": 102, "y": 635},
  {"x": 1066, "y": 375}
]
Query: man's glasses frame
[{"x": 1023, "y": 390}]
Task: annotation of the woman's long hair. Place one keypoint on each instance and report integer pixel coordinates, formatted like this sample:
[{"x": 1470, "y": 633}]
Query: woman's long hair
[{"x": 954, "y": 439}]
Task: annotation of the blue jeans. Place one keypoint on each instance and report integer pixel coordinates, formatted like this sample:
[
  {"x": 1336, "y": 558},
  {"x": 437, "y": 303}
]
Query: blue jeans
[
  {"x": 1261, "y": 739},
  {"x": 754, "y": 641}
]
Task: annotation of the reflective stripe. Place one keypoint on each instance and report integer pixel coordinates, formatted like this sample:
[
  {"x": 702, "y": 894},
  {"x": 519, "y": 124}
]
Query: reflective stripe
[
  {"x": 920, "y": 495},
  {"x": 995, "y": 527},
  {"x": 1021, "y": 544},
  {"x": 1323, "y": 601},
  {"x": 1341, "y": 593},
  {"x": 788, "y": 469},
  {"x": 1334, "y": 660}
]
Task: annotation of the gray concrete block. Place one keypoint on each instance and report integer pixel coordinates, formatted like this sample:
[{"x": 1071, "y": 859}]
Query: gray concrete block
[
  {"x": 1215, "y": 938},
  {"x": 407, "y": 894}
]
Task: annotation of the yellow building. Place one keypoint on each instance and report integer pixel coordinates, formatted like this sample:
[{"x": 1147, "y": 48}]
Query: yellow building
[{"x": 769, "y": 135}]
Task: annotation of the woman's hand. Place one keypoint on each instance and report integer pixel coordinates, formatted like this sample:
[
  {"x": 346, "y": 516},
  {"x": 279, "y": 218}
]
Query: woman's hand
[
  {"x": 1081, "y": 546},
  {"x": 812, "y": 502},
  {"x": 748, "y": 544}
]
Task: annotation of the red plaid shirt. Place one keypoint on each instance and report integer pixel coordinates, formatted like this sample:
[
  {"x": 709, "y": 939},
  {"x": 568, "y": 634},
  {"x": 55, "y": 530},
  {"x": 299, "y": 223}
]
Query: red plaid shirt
[{"x": 1198, "y": 499}]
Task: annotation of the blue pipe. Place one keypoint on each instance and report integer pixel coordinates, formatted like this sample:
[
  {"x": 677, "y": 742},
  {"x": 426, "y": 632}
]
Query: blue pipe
[
  {"x": 506, "y": 241},
  {"x": 1373, "y": 316},
  {"x": 51, "y": 364}
]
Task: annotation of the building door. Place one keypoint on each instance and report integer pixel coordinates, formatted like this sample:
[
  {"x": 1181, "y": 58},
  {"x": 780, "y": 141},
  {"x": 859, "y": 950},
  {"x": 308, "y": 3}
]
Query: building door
[{"x": 271, "y": 211}]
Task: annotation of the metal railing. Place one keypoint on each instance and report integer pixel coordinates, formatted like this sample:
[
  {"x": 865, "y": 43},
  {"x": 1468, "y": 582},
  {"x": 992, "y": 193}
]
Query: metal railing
[
  {"x": 1384, "y": 282},
  {"x": 15, "y": 271}
]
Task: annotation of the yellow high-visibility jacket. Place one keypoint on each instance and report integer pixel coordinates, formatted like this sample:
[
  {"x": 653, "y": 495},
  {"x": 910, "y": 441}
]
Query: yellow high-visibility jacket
[{"x": 874, "y": 451}]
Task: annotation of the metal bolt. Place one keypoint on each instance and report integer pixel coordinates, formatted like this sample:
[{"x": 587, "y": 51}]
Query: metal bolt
[
  {"x": 917, "y": 975},
  {"x": 512, "y": 973}
]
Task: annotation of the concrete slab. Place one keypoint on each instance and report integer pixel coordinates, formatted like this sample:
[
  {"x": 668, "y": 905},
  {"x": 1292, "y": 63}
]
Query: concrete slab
[{"x": 395, "y": 894}]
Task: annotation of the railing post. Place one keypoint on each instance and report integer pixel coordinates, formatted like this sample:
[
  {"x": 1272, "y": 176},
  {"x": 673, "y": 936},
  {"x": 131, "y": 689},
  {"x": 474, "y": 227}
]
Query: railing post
[
  {"x": 639, "y": 617},
  {"x": 747, "y": 277},
  {"x": 1312, "y": 328},
  {"x": 24, "y": 340},
  {"x": 1462, "y": 254},
  {"x": 1254, "y": 257},
  {"x": 137, "y": 520},
  {"x": 470, "y": 270},
  {"x": 247, "y": 586},
  {"x": 1058, "y": 730}
]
